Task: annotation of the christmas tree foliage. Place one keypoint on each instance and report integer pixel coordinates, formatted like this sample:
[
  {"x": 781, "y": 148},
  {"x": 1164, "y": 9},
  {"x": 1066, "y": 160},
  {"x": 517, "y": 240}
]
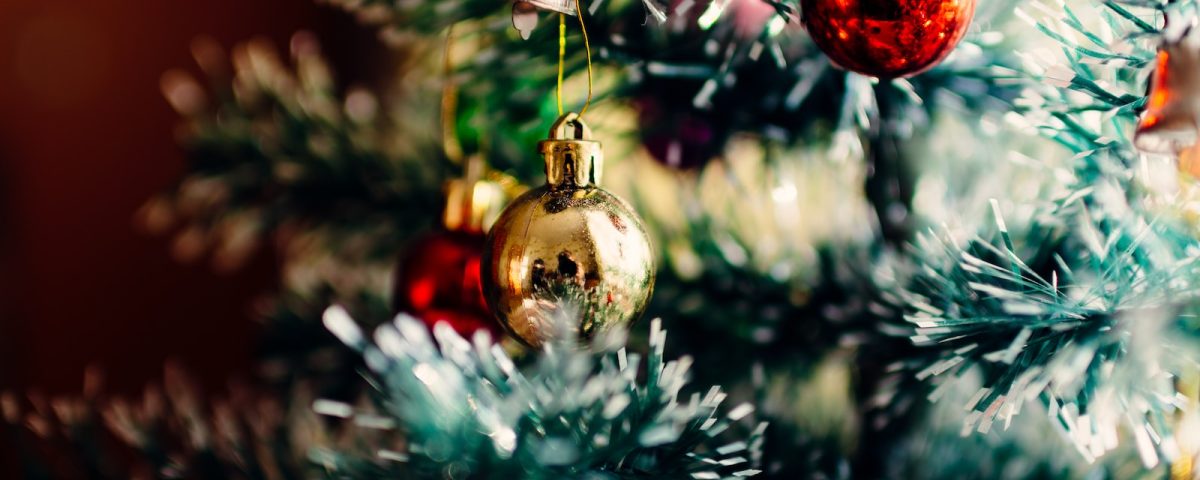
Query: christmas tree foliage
[
  {"x": 466, "y": 409},
  {"x": 882, "y": 274}
]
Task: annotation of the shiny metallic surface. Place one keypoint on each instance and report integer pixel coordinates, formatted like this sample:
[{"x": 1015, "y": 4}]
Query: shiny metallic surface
[
  {"x": 887, "y": 38},
  {"x": 472, "y": 202},
  {"x": 569, "y": 253}
]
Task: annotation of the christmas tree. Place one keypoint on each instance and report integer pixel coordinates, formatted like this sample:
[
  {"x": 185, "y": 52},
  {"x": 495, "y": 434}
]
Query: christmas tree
[{"x": 877, "y": 231}]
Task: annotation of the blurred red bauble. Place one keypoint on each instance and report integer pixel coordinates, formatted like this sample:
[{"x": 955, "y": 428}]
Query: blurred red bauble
[
  {"x": 438, "y": 277},
  {"x": 439, "y": 281},
  {"x": 887, "y": 38},
  {"x": 678, "y": 139}
]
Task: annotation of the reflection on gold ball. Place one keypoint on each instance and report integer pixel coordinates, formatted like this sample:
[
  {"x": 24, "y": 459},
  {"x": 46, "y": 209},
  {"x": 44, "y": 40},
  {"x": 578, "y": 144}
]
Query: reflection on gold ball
[
  {"x": 567, "y": 258},
  {"x": 579, "y": 256}
]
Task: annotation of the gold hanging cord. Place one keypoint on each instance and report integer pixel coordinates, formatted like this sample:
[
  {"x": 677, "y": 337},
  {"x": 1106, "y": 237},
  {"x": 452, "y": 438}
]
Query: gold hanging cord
[{"x": 562, "y": 54}]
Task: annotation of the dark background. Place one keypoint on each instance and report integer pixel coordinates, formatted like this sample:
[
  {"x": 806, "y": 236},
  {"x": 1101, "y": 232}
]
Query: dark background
[{"x": 85, "y": 139}]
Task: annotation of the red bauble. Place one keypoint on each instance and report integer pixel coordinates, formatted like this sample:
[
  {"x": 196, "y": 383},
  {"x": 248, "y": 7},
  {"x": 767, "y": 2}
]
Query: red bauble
[
  {"x": 682, "y": 139},
  {"x": 887, "y": 38},
  {"x": 439, "y": 281}
]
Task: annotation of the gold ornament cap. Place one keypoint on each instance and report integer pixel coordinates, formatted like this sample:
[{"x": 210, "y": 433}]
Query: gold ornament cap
[
  {"x": 472, "y": 204},
  {"x": 573, "y": 159},
  {"x": 525, "y": 13},
  {"x": 559, "y": 6}
]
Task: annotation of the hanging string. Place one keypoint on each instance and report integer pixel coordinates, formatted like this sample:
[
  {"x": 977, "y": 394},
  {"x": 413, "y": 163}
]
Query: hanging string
[
  {"x": 587, "y": 49},
  {"x": 562, "y": 55},
  {"x": 450, "y": 143}
]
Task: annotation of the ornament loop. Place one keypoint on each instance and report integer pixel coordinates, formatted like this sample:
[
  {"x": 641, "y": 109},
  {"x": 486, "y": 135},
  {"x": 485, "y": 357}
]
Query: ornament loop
[
  {"x": 573, "y": 159},
  {"x": 571, "y": 120}
]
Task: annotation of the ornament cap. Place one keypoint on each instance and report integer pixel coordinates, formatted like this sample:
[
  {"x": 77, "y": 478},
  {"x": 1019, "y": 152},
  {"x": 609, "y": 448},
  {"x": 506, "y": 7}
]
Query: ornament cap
[
  {"x": 525, "y": 13},
  {"x": 560, "y": 6},
  {"x": 472, "y": 203},
  {"x": 573, "y": 159}
]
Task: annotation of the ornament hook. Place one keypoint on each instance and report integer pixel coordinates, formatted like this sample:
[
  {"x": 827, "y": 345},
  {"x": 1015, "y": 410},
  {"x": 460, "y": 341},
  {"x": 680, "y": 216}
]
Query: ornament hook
[{"x": 572, "y": 120}]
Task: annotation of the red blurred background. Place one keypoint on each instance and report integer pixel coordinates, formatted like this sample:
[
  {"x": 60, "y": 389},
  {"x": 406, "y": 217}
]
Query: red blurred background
[{"x": 85, "y": 138}]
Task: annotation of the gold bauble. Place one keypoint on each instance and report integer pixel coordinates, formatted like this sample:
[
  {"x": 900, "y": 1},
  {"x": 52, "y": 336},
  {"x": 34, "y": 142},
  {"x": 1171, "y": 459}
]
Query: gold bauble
[{"x": 567, "y": 258}]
